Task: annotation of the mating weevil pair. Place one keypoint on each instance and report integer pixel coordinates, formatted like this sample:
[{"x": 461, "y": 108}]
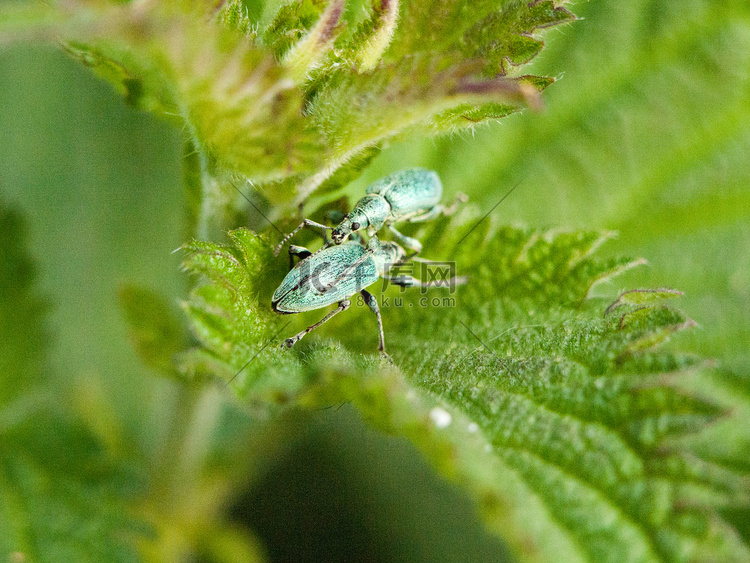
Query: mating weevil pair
[{"x": 344, "y": 267}]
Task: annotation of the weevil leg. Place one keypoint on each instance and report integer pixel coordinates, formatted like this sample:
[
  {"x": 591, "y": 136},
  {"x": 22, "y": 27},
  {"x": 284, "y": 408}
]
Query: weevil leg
[
  {"x": 457, "y": 201},
  {"x": 372, "y": 303},
  {"x": 427, "y": 215},
  {"x": 437, "y": 210},
  {"x": 408, "y": 242},
  {"x": 305, "y": 223},
  {"x": 299, "y": 251},
  {"x": 343, "y": 306},
  {"x": 425, "y": 260}
]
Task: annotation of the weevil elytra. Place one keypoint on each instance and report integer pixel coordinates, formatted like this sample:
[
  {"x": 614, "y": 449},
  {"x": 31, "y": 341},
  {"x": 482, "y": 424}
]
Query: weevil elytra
[
  {"x": 336, "y": 273},
  {"x": 411, "y": 195}
]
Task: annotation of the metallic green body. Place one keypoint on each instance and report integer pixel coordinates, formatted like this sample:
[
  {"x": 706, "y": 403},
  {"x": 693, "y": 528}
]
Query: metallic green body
[
  {"x": 333, "y": 274},
  {"x": 409, "y": 192}
]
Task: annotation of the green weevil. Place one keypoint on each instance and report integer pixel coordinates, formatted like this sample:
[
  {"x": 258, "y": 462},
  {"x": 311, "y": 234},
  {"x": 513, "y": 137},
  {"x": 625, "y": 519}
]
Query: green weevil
[
  {"x": 333, "y": 274},
  {"x": 411, "y": 195}
]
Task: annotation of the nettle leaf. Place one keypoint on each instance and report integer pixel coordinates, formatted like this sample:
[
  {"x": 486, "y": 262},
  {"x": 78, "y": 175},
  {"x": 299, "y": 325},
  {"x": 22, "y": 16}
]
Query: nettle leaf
[
  {"x": 642, "y": 297},
  {"x": 192, "y": 66},
  {"x": 62, "y": 495},
  {"x": 230, "y": 323},
  {"x": 315, "y": 88},
  {"x": 638, "y": 302},
  {"x": 292, "y": 22},
  {"x": 568, "y": 427},
  {"x": 443, "y": 71}
]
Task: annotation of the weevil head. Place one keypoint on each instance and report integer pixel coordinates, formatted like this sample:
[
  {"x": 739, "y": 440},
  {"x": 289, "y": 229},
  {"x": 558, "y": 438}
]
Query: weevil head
[
  {"x": 352, "y": 223},
  {"x": 371, "y": 212}
]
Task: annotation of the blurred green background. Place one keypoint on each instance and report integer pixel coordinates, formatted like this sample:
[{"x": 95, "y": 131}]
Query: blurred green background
[{"x": 646, "y": 132}]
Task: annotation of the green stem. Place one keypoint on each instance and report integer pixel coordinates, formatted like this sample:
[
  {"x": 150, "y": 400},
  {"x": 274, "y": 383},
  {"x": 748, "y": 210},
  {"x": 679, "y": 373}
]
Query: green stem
[{"x": 172, "y": 474}]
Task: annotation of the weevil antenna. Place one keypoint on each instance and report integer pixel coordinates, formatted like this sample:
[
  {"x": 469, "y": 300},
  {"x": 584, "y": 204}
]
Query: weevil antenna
[
  {"x": 257, "y": 354},
  {"x": 502, "y": 199},
  {"x": 239, "y": 191}
]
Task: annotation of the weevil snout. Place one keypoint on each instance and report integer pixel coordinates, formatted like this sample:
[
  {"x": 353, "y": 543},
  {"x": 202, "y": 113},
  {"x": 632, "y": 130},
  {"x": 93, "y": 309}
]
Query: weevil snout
[
  {"x": 338, "y": 235},
  {"x": 345, "y": 228}
]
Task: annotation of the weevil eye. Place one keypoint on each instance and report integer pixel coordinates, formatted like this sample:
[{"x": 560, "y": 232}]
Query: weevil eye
[{"x": 355, "y": 226}]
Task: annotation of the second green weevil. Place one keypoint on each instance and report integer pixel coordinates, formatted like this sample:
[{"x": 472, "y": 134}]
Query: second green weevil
[{"x": 411, "y": 195}]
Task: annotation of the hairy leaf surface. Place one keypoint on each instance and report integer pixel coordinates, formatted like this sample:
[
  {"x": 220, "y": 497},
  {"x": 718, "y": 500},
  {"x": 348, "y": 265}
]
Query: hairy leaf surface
[
  {"x": 316, "y": 87},
  {"x": 567, "y": 426}
]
